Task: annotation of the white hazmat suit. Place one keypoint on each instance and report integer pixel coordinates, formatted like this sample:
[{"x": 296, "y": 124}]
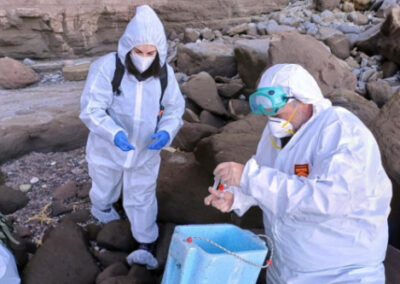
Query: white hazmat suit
[
  {"x": 329, "y": 221},
  {"x": 134, "y": 112},
  {"x": 8, "y": 267}
]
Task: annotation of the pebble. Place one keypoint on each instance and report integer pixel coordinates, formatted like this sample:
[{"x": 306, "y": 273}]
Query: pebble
[
  {"x": 28, "y": 61},
  {"x": 25, "y": 187},
  {"x": 34, "y": 180}
]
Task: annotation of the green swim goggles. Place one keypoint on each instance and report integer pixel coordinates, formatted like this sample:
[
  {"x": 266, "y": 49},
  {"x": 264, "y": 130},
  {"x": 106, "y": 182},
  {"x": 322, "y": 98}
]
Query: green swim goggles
[{"x": 268, "y": 100}]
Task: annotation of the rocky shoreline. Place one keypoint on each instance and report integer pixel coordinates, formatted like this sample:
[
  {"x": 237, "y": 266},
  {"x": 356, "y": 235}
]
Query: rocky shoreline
[{"x": 350, "y": 47}]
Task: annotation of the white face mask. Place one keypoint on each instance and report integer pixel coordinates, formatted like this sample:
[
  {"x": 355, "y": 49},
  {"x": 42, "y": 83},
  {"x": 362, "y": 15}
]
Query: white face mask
[
  {"x": 142, "y": 63},
  {"x": 280, "y": 128}
]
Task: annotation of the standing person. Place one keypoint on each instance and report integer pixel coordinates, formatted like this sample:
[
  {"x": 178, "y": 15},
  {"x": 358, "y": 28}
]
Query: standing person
[
  {"x": 131, "y": 118},
  {"x": 318, "y": 178}
]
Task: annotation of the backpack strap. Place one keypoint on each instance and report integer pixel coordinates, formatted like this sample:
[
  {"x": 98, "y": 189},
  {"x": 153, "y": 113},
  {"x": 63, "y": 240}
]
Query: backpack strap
[
  {"x": 164, "y": 84},
  {"x": 118, "y": 74}
]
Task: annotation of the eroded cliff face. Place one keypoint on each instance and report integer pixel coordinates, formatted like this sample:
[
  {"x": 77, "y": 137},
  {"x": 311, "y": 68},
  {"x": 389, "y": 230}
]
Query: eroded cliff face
[{"x": 54, "y": 29}]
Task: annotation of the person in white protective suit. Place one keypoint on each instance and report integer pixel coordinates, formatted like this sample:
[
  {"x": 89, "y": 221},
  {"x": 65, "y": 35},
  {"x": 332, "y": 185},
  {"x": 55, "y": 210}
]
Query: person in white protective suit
[
  {"x": 127, "y": 131},
  {"x": 8, "y": 267},
  {"x": 318, "y": 178}
]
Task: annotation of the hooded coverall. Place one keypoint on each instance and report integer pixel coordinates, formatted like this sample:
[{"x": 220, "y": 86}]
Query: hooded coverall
[
  {"x": 325, "y": 195},
  {"x": 134, "y": 112}
]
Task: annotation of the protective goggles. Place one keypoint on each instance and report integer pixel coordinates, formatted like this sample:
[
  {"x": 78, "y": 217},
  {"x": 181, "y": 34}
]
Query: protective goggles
[{"x": 268, "y": 100}]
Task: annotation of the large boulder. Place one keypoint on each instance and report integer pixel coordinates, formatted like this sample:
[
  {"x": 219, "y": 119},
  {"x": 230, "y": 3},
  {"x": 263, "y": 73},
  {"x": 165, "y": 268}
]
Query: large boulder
[
  {"x": 237, "y": 142},
  {"x": 210, "y": 119},
  {"x": 63, "y": 258},
  {"x": 339, "y": 45},
  {"x": 76, "y": 72},
  {"x": 116, "y": 235},
  {"x": 386, "y": 128},
  {"x": 323, "y": 5},
  {"x": 232, "y": 89},
  {"x": 48, "y": 29},
  {"x": 190, "y": 134},
  {"x": 201, "y": 89},
  {"x": 14, "y": 74},
  {"x": 365, "y": 110},
  {"x": 379, "y": 91},
  {"x": 362, "y": 4},
  {"x": 214, "y": 58},
  {"x": 368, "y": 40},
  {"x": 180, "y": 201},
  {"x": 41, "y": 119},
  {"x": 390, "y": 40},
  {"x": 329, "y": 72},
  {"x": 11, "y": 200},
  {"x": 251, "y": 57},
  {"x": 116, "y": 269},
  {"x": 392, "y": 264},
  {"x": 66, "y": 191}
]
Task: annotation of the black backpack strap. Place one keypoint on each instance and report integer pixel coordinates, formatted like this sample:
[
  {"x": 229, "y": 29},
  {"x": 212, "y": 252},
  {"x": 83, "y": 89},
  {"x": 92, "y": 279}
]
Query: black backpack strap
[
  {"x": 164, "y": 84},
  {"x": 118, "y": 74}
]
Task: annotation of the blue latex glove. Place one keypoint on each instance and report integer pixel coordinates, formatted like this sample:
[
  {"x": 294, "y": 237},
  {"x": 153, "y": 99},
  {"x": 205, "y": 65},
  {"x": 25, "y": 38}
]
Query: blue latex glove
[
  {"x": 162, "y": 140},
  {"x": 121, "y": 141}
]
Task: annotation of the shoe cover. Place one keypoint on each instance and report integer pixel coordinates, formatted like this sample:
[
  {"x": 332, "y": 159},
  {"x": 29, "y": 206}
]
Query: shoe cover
[
  {"x": 144, "y": 257},
  {"x": 104, "y": 217}
]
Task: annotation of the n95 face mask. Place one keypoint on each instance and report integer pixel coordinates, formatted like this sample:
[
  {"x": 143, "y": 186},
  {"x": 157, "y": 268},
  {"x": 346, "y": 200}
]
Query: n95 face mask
[
  {"x": 141, "y": 63},
  {"x": 280, "y": 128}
]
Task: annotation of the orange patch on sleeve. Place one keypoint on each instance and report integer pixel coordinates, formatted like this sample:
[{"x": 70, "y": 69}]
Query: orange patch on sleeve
[{"x": 302, "y": 170}]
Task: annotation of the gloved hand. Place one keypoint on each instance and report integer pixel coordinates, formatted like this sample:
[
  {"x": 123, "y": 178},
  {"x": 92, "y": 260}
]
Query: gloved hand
[
  {"x": 162, "y": 140},
  {"x": 121, "y": 141},
  {"x": 230, "y": 173},
  {"x": 221, "y": 200}
]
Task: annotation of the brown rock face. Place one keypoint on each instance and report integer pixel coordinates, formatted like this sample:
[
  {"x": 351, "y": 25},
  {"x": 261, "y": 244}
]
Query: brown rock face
[
  {"x": 181, "y": 201},
  {"x": 50, "y": 123},
  {"x": 237, "y": 142},
  {"x": 201, "y": 88},
  {"x": 390, "y": 40},
  {"x": 365, "y": 110},
  {"x": 305, "y": 50},
  {"x": 322, "y": 5},
  {"x": 63, "y": 258},
  {"x": 251, "y": 57},
  {"x": 50, "y": 29},
  {"x": 386, "y": 129},
  {"x": 14, "y": 75},
  {"x": 211, "y": 57}
]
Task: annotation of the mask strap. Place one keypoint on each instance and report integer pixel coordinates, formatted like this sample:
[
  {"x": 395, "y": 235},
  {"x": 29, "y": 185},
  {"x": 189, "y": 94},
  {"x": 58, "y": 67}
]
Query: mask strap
[
  {"x": 274, "y": 144},
  {"x": 290, "y": 118}
]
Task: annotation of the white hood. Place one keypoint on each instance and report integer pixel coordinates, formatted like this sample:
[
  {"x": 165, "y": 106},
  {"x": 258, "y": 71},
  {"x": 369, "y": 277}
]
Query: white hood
[
  {"x": 144, "y": 28},
  {"x": 296, "y": 82}
]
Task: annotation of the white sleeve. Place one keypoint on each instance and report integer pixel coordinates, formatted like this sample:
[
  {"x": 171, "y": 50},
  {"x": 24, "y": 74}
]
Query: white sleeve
[
  {"x": 241, "y": 201},
  {"x": 174, "y": 107},
  {"x": 96, "y": 98},
  {"x": 346, "y": 172}
]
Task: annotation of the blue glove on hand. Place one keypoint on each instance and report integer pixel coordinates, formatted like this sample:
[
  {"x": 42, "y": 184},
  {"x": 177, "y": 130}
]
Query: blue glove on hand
[
  {"x": 121, "y": 141},
  {"x": 162, "y": 140}
]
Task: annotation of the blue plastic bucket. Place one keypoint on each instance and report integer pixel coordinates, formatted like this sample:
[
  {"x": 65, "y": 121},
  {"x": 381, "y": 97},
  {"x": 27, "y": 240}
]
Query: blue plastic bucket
[{"x": 195, "y": 261}]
